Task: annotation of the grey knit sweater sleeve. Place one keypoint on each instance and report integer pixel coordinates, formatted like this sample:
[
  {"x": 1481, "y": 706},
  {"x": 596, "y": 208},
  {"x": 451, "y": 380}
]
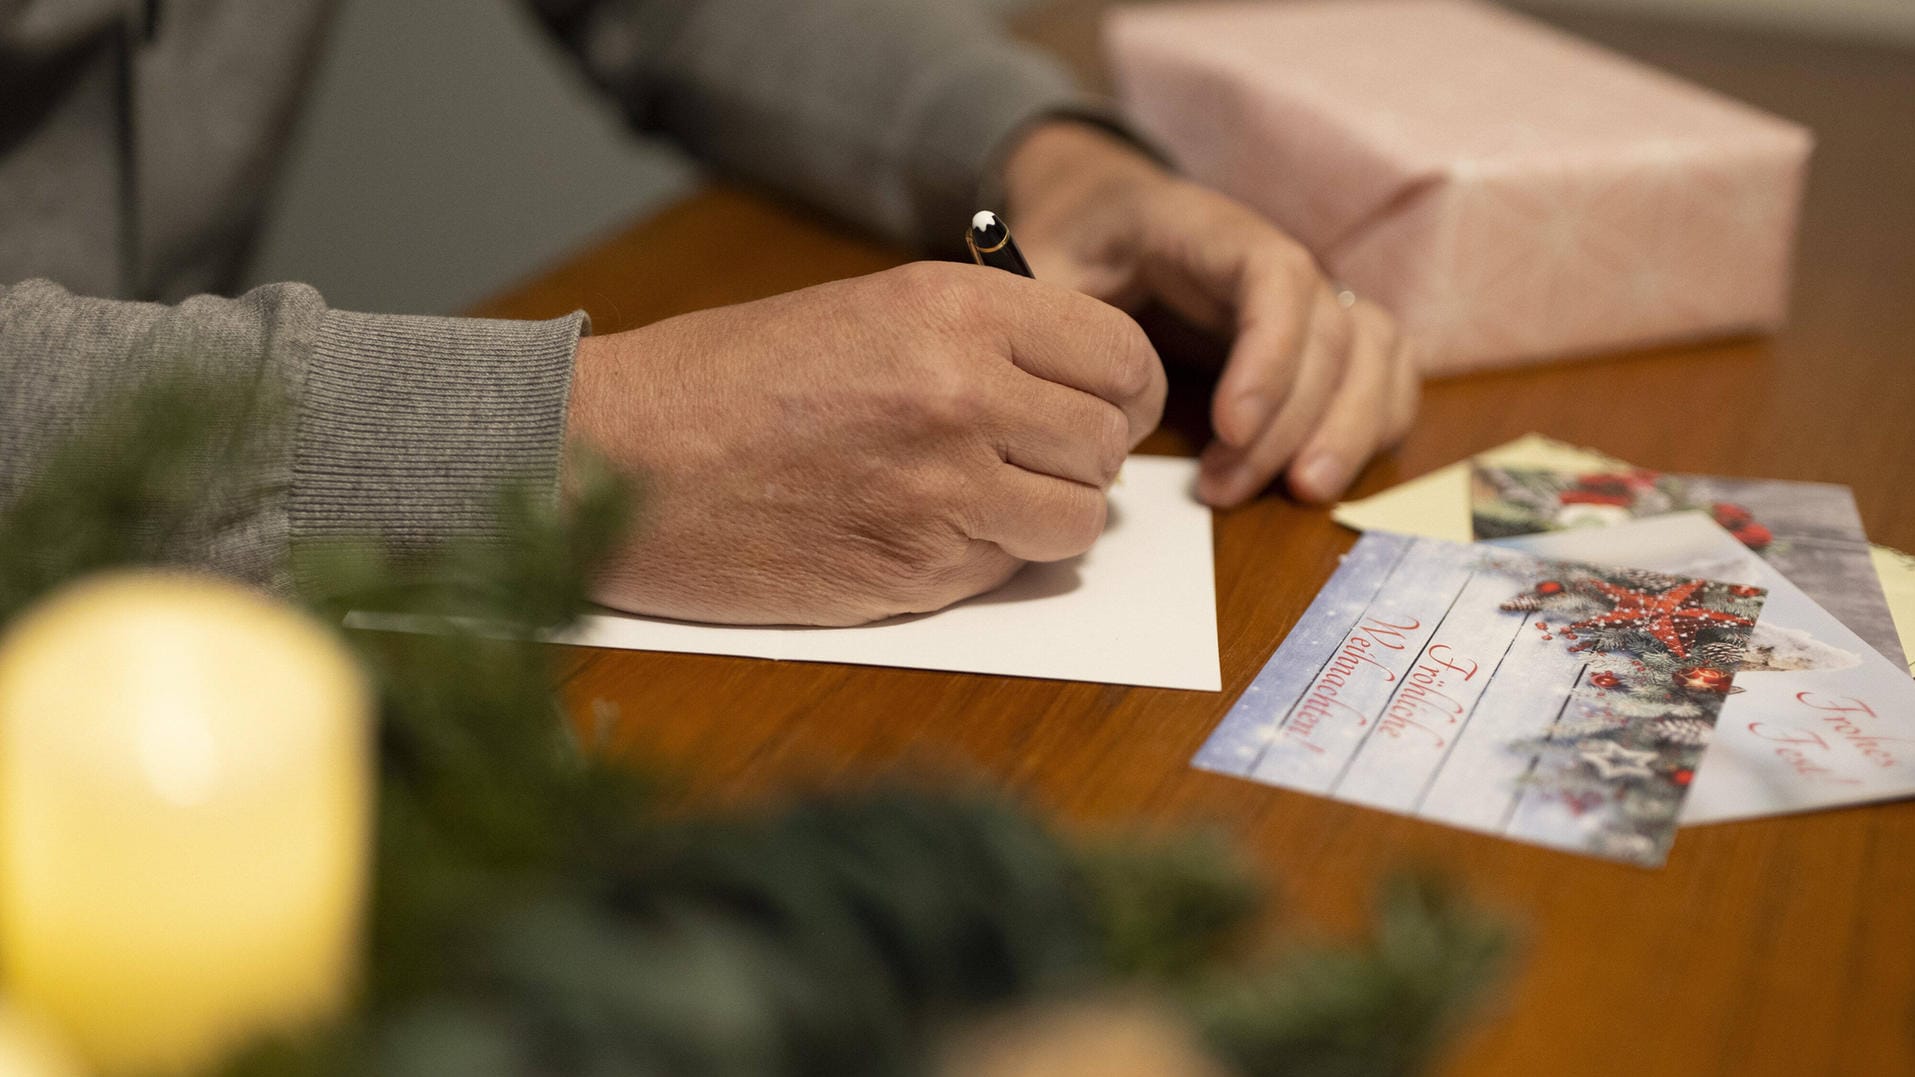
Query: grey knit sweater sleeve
[
  {"x": 887, "y": 112},
  {"x": 396, "y": 427}
]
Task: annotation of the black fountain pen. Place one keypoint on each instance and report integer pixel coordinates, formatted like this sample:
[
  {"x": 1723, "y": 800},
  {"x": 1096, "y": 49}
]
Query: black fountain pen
[{"x": 991, "y": 245}]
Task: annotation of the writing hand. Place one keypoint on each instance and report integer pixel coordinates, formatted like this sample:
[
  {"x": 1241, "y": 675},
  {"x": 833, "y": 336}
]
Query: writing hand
[
  {"x": 1310, "y": 389},
  {"x": 882, "y": 445}
]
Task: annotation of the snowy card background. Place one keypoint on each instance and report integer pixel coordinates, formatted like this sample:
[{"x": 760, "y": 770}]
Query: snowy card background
[{"x": 1549, "y": 702}]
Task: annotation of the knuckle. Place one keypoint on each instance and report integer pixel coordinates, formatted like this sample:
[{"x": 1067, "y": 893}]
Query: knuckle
[
  {"x": 1291, "y": 262},
  {"x": 946, "y": 291},
  {"x": 1111, "y": 443},
  {"x": 1133, "y": 358},
  {"x": 915, "y": 491},
  {"x": 942, "y": 397},
  {"x": 1081, "y": 525}
]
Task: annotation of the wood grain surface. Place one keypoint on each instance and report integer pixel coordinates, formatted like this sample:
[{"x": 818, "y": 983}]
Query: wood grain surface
[{"x": 1782, "y": 946}]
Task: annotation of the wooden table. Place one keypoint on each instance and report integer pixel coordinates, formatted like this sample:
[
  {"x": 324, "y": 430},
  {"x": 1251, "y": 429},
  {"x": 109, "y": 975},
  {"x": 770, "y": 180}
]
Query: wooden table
[{"x": 1778, "y": 946}]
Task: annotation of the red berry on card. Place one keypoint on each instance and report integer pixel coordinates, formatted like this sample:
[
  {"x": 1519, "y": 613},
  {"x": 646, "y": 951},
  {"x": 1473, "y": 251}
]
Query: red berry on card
[
  {"x": 1683, "y": 777},
  {"x": 1754, "y": 536},
  {"x": 1731, "y": 515},
  {"x": 1605, "y": 679},
  {"x": 1744, "y": 591},
  {"x": 1549, "y": 587}
]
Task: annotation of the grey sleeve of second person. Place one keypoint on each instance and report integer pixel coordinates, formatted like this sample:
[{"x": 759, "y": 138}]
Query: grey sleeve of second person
[
  {"x": 390, "y": 427},
  {"x": 886, "y": 112}
]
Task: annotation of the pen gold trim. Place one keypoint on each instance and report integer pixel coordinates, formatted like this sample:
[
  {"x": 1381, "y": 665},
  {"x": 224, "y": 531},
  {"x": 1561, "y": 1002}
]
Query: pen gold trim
[
  {"x": 979, "y": 252},
  {"x": 1001, "y": 254}
]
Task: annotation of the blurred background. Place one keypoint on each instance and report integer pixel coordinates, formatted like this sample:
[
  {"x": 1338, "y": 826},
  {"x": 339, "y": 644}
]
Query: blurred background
[{"x": 432, "y": 169}]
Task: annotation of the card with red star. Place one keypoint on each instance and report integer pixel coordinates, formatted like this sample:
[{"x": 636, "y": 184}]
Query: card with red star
[
  {"x": 1817, "y": 718},
  {"x": 1809, "y": 531},
  {"x": 1549, "y": 701}
]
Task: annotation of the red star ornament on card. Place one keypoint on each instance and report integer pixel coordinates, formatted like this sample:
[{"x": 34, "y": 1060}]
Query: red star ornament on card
[{"x": 1672, "y": 617}]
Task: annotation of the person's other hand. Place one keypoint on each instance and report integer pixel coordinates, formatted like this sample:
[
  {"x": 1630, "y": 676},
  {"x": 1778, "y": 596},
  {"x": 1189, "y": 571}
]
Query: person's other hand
[
  {"x": 1311, "y": 389},
  {"x": 883, "y": 445}
]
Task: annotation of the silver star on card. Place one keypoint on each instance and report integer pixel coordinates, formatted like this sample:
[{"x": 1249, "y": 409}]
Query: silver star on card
[{"x": 1613, "y": 761}]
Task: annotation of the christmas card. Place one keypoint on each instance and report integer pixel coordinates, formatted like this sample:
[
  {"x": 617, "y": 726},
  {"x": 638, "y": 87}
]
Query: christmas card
[
  {"x": 1816, "y": 719},
  {"x": 1547, "y": 701},
  {"x": 1810, "y": 531}
]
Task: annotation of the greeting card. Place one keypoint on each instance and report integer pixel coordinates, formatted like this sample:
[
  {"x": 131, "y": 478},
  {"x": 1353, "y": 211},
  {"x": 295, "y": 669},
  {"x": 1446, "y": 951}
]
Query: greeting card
[
  {"x": 1810, "y": 531},
  {"x": 1553, "y": 702},
  {"x": 1817, "y": 718}
]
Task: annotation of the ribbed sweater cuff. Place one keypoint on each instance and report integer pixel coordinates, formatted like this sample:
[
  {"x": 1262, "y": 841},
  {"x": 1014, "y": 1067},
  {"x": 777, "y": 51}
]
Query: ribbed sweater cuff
[{"x": 409, "y": 426}]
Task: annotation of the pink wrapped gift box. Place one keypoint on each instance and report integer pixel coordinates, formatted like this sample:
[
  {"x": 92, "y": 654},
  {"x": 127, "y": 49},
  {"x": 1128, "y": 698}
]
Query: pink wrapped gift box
[{"x": 1513, "y": 194}]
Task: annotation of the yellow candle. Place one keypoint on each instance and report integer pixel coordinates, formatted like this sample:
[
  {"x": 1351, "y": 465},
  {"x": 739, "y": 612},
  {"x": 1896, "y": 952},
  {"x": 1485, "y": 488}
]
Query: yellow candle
[
  {"x": 27, "y": 1051},
  {"x": 184, "y": 803}
]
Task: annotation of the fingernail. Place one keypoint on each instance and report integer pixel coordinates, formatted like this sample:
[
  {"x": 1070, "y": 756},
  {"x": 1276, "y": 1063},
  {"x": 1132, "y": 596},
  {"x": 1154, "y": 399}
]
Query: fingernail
[
  {"x": 1227, "y": 487},
  {"x": 1247, "y": 416},
  {"x": 1322, "y": 477},
  {"x": 1216, "y": 465}
]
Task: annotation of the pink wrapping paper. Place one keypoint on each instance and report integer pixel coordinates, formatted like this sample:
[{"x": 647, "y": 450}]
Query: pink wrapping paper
[{"x": 1513, "y": 194}]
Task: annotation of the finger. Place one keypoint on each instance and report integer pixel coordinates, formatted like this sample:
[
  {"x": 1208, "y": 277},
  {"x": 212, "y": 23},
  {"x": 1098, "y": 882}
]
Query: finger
[
  {"x": 1360, "y": 418},
  {"x": 1232, "y": 475},
  {"x": 1226, "y": 268},
  {"x": 1406, "y": 388},
  {"x": 1064, "y": 433},
  {"x": 1276, "y": 312},
  {"x": 1036, "y": 517},
  {"x": 1071, "y": 339}
]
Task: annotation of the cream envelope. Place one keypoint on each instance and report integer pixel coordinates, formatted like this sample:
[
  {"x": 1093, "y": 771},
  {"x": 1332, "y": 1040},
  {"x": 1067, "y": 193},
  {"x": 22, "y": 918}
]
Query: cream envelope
[
  {"x": 1139, "y": 608},
  {"x": 1819, "y": 718},
  {"x": 1897, "y": 571}
]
